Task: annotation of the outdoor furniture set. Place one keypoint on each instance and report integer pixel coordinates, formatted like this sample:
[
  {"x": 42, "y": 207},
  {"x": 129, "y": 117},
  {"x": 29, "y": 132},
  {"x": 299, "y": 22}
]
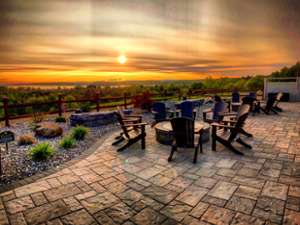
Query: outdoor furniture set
[{"x": 181, "y": 132}]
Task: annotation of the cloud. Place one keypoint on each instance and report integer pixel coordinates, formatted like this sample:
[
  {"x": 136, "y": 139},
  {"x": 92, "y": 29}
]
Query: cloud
[{"x": 196, "y": 37}]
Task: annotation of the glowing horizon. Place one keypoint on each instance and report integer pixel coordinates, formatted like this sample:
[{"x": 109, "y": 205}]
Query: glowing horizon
[{"x": 82, "y": 41}]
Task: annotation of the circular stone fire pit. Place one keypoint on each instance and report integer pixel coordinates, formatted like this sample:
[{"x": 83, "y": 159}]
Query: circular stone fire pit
[{"x": 164, "y": 133}]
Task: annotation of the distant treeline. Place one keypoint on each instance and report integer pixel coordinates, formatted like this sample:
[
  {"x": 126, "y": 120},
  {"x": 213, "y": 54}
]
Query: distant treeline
[
  {"x": 292, "y": 71},
  {"x": 23, "y": 95}
]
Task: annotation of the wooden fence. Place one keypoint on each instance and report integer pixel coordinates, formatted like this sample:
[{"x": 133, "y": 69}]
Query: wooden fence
[{"x": 60, "y": 103}]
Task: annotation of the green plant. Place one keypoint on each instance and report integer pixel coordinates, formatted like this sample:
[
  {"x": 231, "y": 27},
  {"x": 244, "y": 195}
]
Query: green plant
[
  {"x": 85, "y": 107},
  {"x": 26, "y": 139},
  {"x": 67, "y": 142},
  {"x": 37, "y": 117},
  {"x": 60, "y": 119},
  {"x": 79, "y": 132},
  {"x": 42, "y": 151}
]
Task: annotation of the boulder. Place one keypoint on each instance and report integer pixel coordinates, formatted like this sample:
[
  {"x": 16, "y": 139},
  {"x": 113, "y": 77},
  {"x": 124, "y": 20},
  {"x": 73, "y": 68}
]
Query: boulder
[
  {"x": 93, "y": 119},
  {"x": 48, "y": 130}
]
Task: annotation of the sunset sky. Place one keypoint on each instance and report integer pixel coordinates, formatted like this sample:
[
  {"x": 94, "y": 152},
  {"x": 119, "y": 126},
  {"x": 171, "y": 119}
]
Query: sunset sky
[{"x": 84, "y": 40}]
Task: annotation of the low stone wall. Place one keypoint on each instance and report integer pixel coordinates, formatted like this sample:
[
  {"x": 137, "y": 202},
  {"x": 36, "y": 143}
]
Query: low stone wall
[{"x": 93, "y": 119}]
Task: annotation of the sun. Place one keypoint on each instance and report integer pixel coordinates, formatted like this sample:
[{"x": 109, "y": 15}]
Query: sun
[{"x": 122, "y": 59}]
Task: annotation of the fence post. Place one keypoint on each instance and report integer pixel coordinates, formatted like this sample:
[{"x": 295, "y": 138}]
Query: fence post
[
  {"x": 265, "y": 88},
  {"x": 97, "y": 101},
  {"x": 5, "y": 110},
  {"x": 60, "y": 104},
  {"x": 125, "y": 100}
]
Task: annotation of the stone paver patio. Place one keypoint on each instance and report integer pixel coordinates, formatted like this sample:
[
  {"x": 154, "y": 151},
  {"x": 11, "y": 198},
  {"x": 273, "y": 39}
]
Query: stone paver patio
[{"x": 141, "y": 187}]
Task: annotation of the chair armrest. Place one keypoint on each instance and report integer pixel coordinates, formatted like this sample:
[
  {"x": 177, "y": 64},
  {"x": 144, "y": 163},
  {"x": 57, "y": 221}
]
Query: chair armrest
[
  {"x": 130, "y": 120},
  {"x": 207, "y": 111},
  {"x": 133, "y": 116},
  {"x": 135, "y": 125},
  {"x": 222, "y": 126},
  {"x": 227, "y": 114}
]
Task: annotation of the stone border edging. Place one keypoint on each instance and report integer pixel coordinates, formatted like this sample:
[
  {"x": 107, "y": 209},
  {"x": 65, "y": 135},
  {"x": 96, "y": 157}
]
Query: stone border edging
[{"x": 48, "y": 172}]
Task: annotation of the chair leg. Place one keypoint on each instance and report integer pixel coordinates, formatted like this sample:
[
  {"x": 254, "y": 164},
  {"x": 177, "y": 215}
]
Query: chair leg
[
  {"x": 196, "y": 154},
  {"x": 200, "y": 141},
  {"x": 124, "y": 146},
  {"x": 229, "y": 145},
  {"x": 240, "y": 141},
  {"x": 143, "y": 133},
  {"x": 242, "y": 131},
  {"x": 118, "y": 141},
  {"x": 174, "y": 148},
  {"x": 274, "y": 111},
  {"x": 213, "y": 138}
]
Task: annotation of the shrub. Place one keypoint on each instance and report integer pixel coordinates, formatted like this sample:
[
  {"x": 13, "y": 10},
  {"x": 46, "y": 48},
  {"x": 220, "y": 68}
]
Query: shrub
[
  {"x": 60, "y": 119},
  {"x": 42, "y": 151},
  {"x": 79, "y": 132},
  {"x": 85, "y": 107},
  {"x": 37, "y": 117},
  {"x": 26, "y": 139},
  {"x": 67, "y": 142}
]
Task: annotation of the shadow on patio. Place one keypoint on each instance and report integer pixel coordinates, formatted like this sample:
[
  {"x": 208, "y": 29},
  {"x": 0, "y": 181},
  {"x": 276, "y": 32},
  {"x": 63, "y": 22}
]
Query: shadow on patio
[{"x": 141, "y": 187}]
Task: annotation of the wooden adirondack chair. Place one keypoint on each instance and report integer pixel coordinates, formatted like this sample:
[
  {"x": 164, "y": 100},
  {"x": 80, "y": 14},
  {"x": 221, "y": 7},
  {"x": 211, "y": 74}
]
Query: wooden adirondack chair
[
  {"x": 277, "y": 100},
  {"x": 132, "y": 133},
  {"x": 128, "y": 119},
  {"x": 231, "y": 118},
  {"x": 220, "y": 110},
  {"x": 184, "y": 136},
  {"x": 227, "y": 138},
  {"x": 269, "y": 106}
]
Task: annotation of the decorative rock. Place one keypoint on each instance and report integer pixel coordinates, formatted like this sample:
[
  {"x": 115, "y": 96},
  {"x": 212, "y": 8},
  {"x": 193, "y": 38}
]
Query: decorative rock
[
  {"x": 92, "y": 119},
  {"x": 26, "y": 139},
  {"x": 48, "y": 130}
]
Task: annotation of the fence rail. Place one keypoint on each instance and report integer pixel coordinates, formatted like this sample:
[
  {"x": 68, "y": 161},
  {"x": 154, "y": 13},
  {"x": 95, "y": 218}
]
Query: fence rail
[{"x": 60, "y": 105}]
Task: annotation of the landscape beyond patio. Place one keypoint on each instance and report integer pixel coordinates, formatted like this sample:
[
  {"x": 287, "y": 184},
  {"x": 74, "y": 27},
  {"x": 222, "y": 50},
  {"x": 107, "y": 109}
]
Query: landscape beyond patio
[{"x": 141, "y": 187}]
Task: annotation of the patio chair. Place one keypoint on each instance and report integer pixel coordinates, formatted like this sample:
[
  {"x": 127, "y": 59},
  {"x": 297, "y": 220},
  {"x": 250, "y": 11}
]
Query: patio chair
[
  {"x": 184, "y": 136},
  {"x": 187, "y": 109},
  {"x": 159, "y": 111},
  {"x": 233, "y": 134},
  {"x": 217, "y": 112},
  {"x": 269, "y": 106},
  {"x": 235, "y": 96},
  {"x": 132, "y": 133},
  {"x": 128, "y": 119},
  {"x": 231, "y": 118},
  {"x": 277, "y": 100}
]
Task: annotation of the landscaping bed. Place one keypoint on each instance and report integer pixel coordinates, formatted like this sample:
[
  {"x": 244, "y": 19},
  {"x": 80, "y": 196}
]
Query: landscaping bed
[{"x": 19, "y": 163}]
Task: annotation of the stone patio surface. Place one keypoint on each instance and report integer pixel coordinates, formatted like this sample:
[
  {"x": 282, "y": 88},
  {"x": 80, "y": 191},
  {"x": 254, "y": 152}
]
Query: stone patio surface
[{"x": 141, "y": 187}]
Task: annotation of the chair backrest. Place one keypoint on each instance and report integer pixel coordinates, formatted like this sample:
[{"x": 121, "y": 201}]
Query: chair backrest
[
  {"x": 270, "y": 103},
  {"x": 252, "y": 95},
  {"x": 187, "y": 109},
  {"x": 240, "y": 121},
  {"x": 183, "y": 131},
  {"x": 121, "y": 122},
  {"x": 160, "y": 109},
  {"x": 235, "y": 96},
  {"x": 278, "y": 99},
  {"x": 218, "y": 108}
]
